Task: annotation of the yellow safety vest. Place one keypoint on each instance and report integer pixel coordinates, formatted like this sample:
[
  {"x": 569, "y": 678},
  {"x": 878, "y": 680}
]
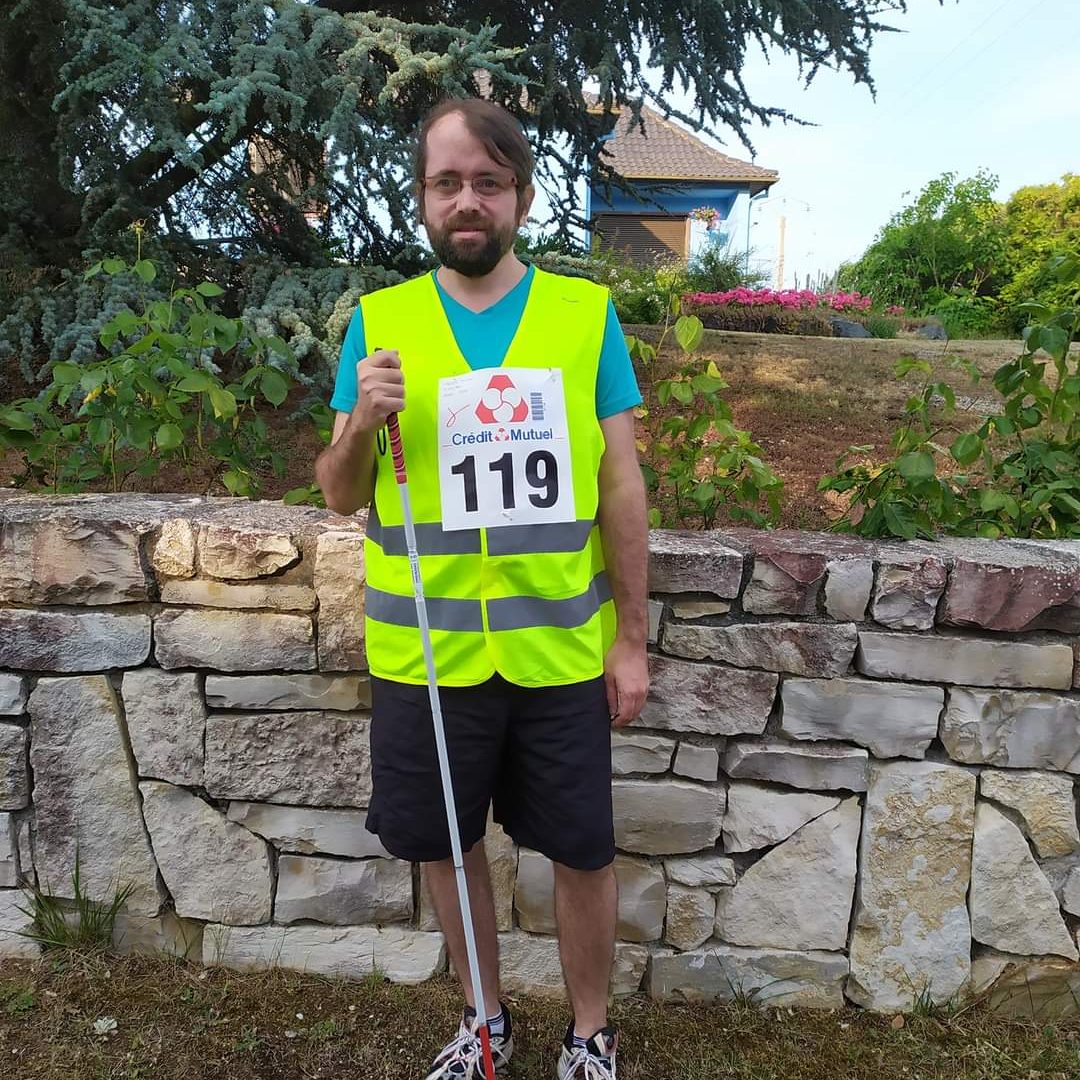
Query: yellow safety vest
[{"x": 531, "y": 602}]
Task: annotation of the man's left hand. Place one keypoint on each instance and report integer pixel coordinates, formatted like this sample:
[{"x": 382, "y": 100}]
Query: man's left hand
[{"x": 626, "y": 675}]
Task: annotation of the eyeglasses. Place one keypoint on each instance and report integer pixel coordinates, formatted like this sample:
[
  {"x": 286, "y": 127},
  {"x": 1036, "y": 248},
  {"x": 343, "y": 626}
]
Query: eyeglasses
[{"x": 448, "y": 186}]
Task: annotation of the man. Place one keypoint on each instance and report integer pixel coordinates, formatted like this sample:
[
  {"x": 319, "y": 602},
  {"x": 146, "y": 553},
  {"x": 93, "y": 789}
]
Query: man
[{"x": 514, "y": 392}]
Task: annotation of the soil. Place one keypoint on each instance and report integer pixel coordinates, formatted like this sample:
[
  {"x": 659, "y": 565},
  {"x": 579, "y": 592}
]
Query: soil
[{"x": 804, "y": 400}]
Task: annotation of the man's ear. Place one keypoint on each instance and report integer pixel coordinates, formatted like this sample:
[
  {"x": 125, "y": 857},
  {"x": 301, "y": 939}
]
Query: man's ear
[
  {"x": 418, "y": 193},
  {"x": 527, "y": 197}
]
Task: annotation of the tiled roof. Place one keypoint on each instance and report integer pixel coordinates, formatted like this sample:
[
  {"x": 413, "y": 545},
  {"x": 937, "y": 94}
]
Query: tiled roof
[{"x": 669, "y": 152}]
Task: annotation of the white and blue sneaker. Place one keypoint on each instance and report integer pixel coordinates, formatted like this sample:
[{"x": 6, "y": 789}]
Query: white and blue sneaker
[
  {"x": 463, "y": 1058},
  {"x": 588, "y": 1059}
]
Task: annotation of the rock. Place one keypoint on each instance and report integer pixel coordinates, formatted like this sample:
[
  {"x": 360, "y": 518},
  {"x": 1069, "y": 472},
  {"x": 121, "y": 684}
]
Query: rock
[
  {"x": 942, "y": 658},
  {"x": 164, "y": 934},
  {"x": 214, "y": 869},
  {"x": 1015, "y": 587},
  {"x": 665, "y": 817},
  {"x": 798, "y": 895},
  {"x": 705, "y": 871},
  {"x": 9, "y": 853},
  {"x": 848, "y": 328},
  {"x": 229, "y": 553},
  {"x": 798, "y": 648},
  {"x": 529, "y": 964},
  {"x": 14, "y": 777},
  {"x": 706, "y": 699},
  {"x": 1012, "y": 728},
  {"x": 1045, "y": 802},
  {"x": 1070, "y": 892},
  {"x": 311, "y": 758},
  {"x": 1013, "y": 906},
  {"x": 23, "y": 825},
  {"x": 349, "y": 952},
  {"x": 890, "y": 719},
  {"x": 684, "y": 561},
  {"x": 308, "y": 831},
  {"x": 339, "y": 582},
  {"x": 932, "y": 332},
  {"x": 343, "y": 693},
  {"x": 809, "y": 767},
  {"x": 642, "y": 897},
  {"x": 656, "y": 613},
  {"x": 1063, "y": 873},
  {"x": 773, "y": 977},
  {"x": 166, "y": 721},
  {"x": 697, "y": 762},
  {"x": 85, "y": 797},
  {"x": 907, "y": 592},
  {"x": 847, "y": 589},
  {"x": 911, "y": 932},
  {"x": 344, "y": 893},
  {"x": 14, "y": 924},
  {"x": 784, "y": 582},
  {"x": 72, "y": 641},
  {"x": 173, "y": 553},
  {"x": 63, "y": 561},
  {"x": 1045, "y": 990},
  {"x": 640, "y": 753},
  {"x": 759, "y": 816},
  {"x": 697, "y": 609},
  {"x": 12, "y": 695},
  {"x": 690, "y": 917},
  {"x": 234, "y": 640},
  {"x": 205, "y": 593}
]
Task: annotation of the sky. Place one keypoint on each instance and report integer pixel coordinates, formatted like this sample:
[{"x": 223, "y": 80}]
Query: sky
[{"x": 968, "y": 84}]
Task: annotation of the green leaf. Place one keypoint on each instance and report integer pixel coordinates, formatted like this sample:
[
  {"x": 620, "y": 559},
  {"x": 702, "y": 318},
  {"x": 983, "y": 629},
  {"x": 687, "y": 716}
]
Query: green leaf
[
  {"x": 92, "y": 271},
  {"x": 897, "y": 519},
  {"x": 208, "y": 288},
  {"x": 654, "y": 518},
  {"x": 17, "y": 420},
  {"x": 990, "y": 500},
  {"x": 146, "y": 270},
  {"x": 1055, "y": 341},
  {"x": 274, "y": 387},
  {"x": 295, "y": 496},
  {"x": 966, "y": 448},
  {"x": 683, "y": 392},
  {"x": 65, "y": 374},
  {"x": 988, "y": 531},
  {"x": 688, "y": 331},
  {"x": 916, "y": 465},
  {"x": 196, "y": 383},
  {"x": 169, "y": 436},
  {"x": 114, "y": 266},
  {"x": 223, "y": 402},
  {"x": 237, "y": 482}
]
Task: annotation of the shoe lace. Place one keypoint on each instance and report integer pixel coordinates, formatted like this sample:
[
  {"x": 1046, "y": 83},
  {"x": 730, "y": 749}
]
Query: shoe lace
[
  {"x": 465, "y": 1051},
  {"x": 592, "y": 1066}
]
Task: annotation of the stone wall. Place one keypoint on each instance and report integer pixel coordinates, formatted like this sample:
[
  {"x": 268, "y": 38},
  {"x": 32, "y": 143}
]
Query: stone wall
[{"x": 855, "y": 777}]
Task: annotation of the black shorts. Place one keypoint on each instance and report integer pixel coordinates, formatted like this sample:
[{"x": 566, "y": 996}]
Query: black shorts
[{"x": 542, "y": 757}]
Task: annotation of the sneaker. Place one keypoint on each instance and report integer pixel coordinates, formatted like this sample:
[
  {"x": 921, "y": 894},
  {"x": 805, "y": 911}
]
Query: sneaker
[
  {"x": 593, "y": 1061},
  {"x": 463, "y": 1057}
]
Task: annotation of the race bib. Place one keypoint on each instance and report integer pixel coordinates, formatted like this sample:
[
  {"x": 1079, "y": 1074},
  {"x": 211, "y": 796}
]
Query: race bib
[{"x": 504, "y": 454}]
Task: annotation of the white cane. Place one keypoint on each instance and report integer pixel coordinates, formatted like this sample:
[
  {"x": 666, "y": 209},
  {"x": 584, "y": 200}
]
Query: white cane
[{"x": 440, "y": 743}]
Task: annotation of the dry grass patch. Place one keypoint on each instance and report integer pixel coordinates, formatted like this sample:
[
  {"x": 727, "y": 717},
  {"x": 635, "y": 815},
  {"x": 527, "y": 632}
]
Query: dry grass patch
[{"x": 79, "y": 1017}]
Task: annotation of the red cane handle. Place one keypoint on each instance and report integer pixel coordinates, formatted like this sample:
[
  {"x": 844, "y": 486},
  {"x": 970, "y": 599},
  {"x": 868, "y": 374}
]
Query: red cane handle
[
  {"x": 485, "y": 1049},
  {"x": 396, "y": 450}
]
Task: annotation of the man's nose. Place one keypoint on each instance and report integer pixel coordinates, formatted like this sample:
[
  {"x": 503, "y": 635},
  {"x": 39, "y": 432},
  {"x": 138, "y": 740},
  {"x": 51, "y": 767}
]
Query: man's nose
[{"x": 467, "y": 198}]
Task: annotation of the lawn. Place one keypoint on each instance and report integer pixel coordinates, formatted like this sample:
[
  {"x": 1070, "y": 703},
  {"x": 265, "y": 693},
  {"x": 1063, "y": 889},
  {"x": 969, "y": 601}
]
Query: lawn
[{"x": 86, "y": 1017}]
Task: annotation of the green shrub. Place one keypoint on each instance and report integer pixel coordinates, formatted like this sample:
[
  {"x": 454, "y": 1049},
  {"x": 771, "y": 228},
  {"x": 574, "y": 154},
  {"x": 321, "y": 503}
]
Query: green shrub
[
  {"x": 762, "y": 319},
  {"x": 716, "y": 269},
  {"x": 882, "y": 326},
  {"x": 965, "y": 316}
]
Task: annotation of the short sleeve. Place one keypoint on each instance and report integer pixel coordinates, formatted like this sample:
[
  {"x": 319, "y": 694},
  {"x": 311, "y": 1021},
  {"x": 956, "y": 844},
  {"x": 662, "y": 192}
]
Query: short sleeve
[
  {"x": 616, "y": 383},
  {"x": 353, "y": 350}
]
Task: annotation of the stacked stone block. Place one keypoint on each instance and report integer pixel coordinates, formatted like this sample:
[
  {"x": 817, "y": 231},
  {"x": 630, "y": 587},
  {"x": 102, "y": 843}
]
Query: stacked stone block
[{"x": 854, "y": 779}]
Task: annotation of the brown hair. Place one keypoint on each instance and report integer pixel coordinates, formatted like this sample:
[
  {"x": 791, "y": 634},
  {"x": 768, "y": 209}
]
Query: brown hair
[{"x": 502, "y": 136}]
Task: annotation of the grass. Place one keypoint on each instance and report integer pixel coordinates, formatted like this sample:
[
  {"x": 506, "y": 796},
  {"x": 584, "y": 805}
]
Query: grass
[{"x": 80, "y": 1016}]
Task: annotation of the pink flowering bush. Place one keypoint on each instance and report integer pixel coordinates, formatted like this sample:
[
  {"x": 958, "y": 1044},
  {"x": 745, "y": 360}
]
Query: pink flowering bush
[{"x": 786, "y": 299}]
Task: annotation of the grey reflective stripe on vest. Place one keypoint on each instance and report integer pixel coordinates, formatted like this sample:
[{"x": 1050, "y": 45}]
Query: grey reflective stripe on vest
[
  {"x": 431, "y": 538},
  {"x": 539, "y": 539},
  {"x": 522, "y": 612},
  {"x": 443, "y": 613}
]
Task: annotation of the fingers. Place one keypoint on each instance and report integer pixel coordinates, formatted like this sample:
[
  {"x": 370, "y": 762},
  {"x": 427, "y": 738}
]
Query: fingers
[
  {"x": 612, "y": 694},
  {"x": 381, "y": 387},
  {"x": 631, "y": 701}
]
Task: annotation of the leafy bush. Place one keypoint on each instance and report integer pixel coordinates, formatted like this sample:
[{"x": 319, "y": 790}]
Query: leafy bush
[
  {"x": 715, "y": 268},
  {"x": 882, "y": 326},
  {"x": 966, "y": 316},
  {"x": 157, "y": 397},
  {"x": 761, "y": 319}
]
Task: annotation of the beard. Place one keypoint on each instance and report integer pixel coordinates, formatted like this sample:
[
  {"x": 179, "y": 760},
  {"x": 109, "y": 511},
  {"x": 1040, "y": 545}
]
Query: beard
[{"x": 471, "y": 258}]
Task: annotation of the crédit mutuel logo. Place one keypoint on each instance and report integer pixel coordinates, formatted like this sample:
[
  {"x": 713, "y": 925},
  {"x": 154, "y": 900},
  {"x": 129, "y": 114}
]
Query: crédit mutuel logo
[{"x": 501, "y": 404}]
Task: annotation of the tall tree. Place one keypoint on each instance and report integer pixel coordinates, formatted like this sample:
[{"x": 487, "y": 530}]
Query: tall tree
[{"x": 113, "y": 111}]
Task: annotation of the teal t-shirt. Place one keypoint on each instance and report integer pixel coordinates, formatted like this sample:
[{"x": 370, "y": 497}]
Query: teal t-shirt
[{"x": 484, "y": 337}]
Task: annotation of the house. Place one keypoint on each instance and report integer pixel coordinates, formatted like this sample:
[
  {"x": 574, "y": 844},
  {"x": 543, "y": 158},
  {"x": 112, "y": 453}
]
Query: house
[{"x": 681, "y": 178}]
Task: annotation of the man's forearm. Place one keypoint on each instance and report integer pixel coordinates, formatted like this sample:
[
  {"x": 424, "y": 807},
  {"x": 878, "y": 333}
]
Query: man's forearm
[
  {"x": 625, "y": 536},
  {"x": 345, "y": 471}
]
